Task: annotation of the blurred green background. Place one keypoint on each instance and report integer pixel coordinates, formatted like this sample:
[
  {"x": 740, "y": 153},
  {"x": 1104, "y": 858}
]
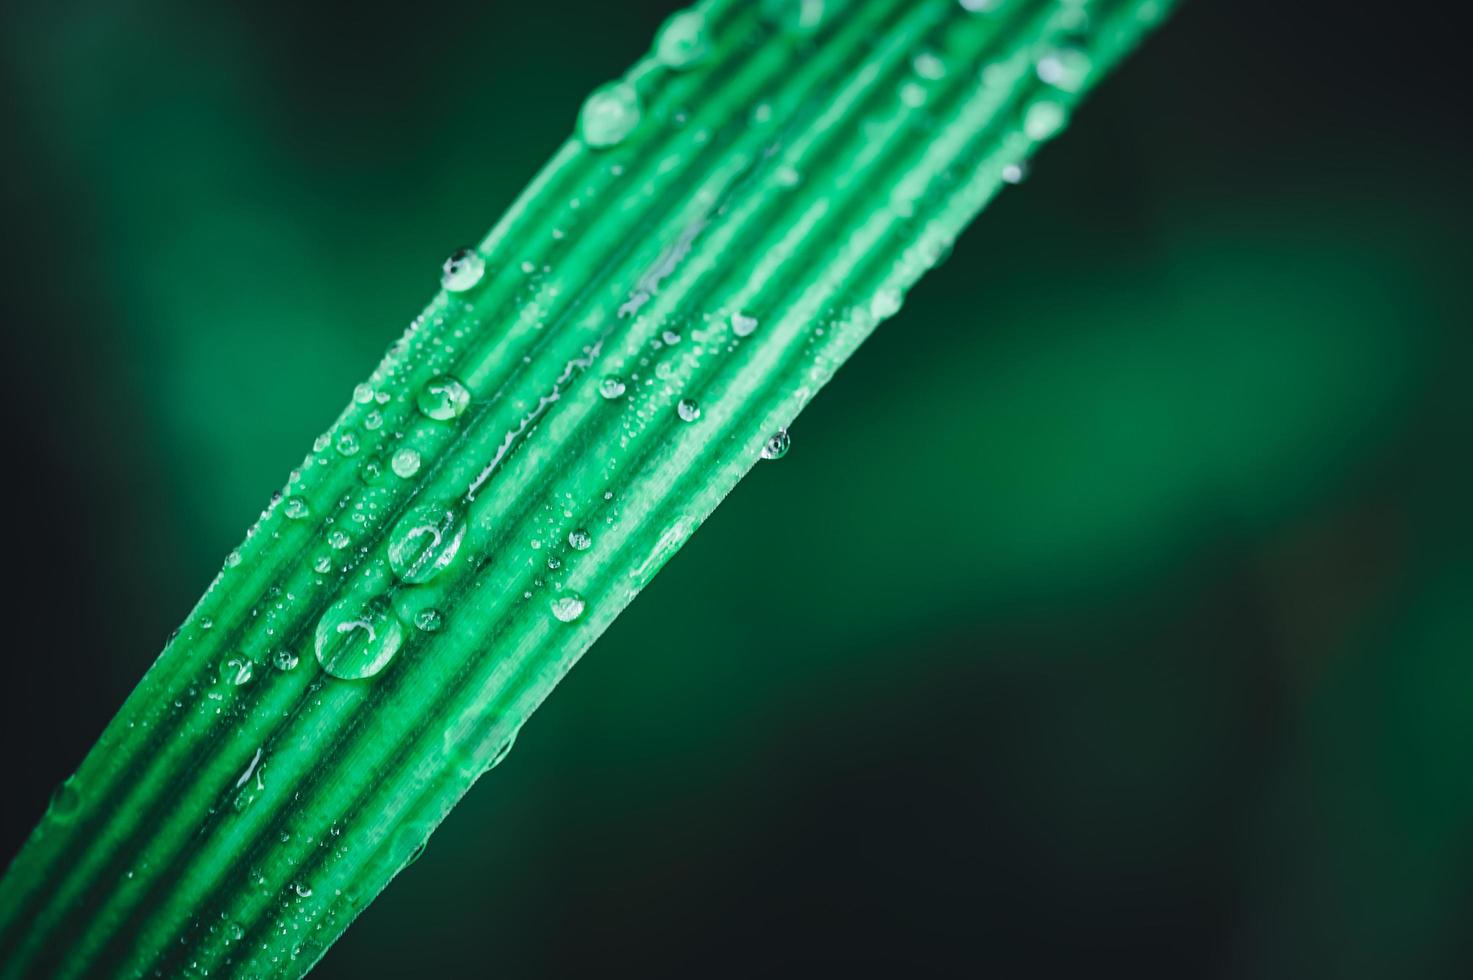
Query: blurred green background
[{"x": 1113, "y": 611}]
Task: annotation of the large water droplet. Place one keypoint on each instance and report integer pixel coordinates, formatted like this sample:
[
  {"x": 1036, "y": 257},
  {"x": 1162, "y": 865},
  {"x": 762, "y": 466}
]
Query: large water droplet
[
  {"x": 405, "y": 462},
  {"x": 425, "y": 542},
  {"x": 777, "y": 445},
  {"x": 462, "y": 270},
  {"x": 567, "y": 607},
  {"x": 443, "y": 398},
  {"x": 580, "y": 539},
  {"x": 357, "y": 638},
  {"x": 688, "y": 410},
  {"x": 682, "y": 41},
  {"x": 609, "y": 114}
]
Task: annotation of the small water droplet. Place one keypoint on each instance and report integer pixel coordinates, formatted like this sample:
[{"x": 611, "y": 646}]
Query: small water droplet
[
  {"x": 363, "y": 394},
  {"x": 611, "y": 387},
  {"x": 885, "y": 303},
  {"x": 1066, "y": 69},
  {"x": 323, "y": 564},
  {"x": 580, "y": 539},
  {"x": 237, "y": 671},
  {"x": 567, "y": 607},
  {"x": 429, "y": 620},
  {"x": 356, "y": 639},
  {"x": 609, "y": 115},
  {"x": 206, "y": 623},
  {"x": 443, "y": 398},
  {"x": 405, "y": 462},
  {"x": 777, "y": 445},
  {"x": 66, "y": 800},
  {"x": 338, "y": 539},
  {"x": 1015, "y": 173},
  {"x": 1044, "y": 119},
  {"x": 235, "y": 932},
  {"x": 799, "y": 16},
  {"x": 347, "y": 444},
  {"x": 743, "y": 325},
  {"x": 302, "y": 889},
  {"x": 929, "y": 66},
  {"x": 425, "y": 542},
  {"x": 296, "y": 508},
  {"x": 462, "y": 270},
  {"x": 670, "y": 337},
  {"x": 688, "y": 410},
  {"x": 682, "y": 42},
  {"x": 284, "y": 659}
]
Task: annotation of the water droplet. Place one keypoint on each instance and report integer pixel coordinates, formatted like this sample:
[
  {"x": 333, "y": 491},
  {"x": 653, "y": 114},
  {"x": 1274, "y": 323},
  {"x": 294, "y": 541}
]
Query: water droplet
[
  {"x": 237, "y": 671},
  {"x": 682, "y": 41},
  {"x": 234, "y": 932},
  {"x": 443, "y": 398},
  {"x": 1014, "y": 173},
  {"x": 1044, "y": 119},
  {"x": 296, "y": 508},
  {"x": 801, "y": 16},
  {"x": 462, "y": 270},
  {"x": 1066, "y": 69},
  {"x": 743, "y": 325},
  {"x": 611, "y": 387},
  {"x": 429, "y": 620},
  {"x": 206, "y": 623},
  {"x": 580, "y": 539},
  {"x": 609, "y": 115},
  {"x": 302, "y": 889},
  {"x": 567, "y": 607},
  {"x": 284, "y": 659},
  {"x": 363, "y": 394},
  {"x": 688, "y": 410},
  {"x": 502, "y": 751},
  {"x": 885, "y": 303},
  {"x": 670, "y": 337},
  {"x": 323, "y": 564},
  {"x": 338, "y": 539},
  {"x": 347, "y": 444},
  {"x": 777, "y": 445},
  {"x": 356, "y": 639},
  {"x": 405, "y": 463},
  {"x": 425, "y": 542},
  {"x": 929, "y": 66},
  {"x": 66, "y": 800}
]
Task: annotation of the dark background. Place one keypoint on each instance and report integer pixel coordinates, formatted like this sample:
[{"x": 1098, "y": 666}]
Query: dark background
[{"x": 1113, "y": 612}]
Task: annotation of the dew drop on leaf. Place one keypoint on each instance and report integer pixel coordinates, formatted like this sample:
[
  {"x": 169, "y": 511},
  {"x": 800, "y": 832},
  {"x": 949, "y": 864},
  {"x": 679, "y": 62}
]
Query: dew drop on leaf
[
  {"x": 688, "y": 410},
  {"x": 443, "y": 398},
  {"x": 405, "y": 462},
  {"x": 425, "y": 542},
  {"x": 567, "y": 607},
  {"x": 609, "y": 115},
  {"x": 357, "y": 639},
  {"x": 462, "y": 270},
  {"x": 777, "y": 445}
]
